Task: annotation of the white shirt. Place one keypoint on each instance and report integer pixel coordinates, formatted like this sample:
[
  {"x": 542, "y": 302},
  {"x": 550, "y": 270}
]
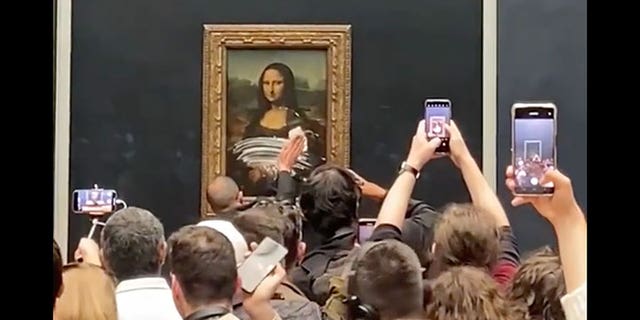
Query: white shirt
[
  {"x": 575, "y": 304},
  {"x": 145, "y": 298}
]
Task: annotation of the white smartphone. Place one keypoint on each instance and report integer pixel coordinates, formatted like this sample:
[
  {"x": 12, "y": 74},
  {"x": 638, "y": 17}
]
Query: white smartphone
[
  {"x": 260, "y": 263},
  {"x": 533, "y": 146}
]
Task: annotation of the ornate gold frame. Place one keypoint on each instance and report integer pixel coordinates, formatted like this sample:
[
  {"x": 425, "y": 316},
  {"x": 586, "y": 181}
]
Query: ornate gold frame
[{"x": 336, "y": 39}]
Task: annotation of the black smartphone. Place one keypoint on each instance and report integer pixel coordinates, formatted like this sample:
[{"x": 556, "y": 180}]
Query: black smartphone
[
  {"x": 437, "y": 112},
  {"x": 533, "y": 147},
  {"x": 94, "y": 200}
]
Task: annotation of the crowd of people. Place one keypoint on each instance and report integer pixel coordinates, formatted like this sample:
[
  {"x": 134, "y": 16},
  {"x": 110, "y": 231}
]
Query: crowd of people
[{"x": 460, "y": 262}]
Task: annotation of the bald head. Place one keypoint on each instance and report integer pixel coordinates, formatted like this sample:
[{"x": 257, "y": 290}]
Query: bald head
[{"x": 223, "y": 193}]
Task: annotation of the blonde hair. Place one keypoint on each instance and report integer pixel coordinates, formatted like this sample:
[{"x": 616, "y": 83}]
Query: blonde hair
[
  {"x": 465, "y": 235},
  {"x": 471, "y": 294},
  {"x": 89, "y": 293}
]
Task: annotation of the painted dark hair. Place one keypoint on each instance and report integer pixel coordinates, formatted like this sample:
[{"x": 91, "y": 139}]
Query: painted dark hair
[{"x": 289, "y": 97}]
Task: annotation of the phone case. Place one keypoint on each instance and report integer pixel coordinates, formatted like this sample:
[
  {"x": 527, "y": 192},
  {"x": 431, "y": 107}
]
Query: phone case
[
  {"x": 260, "y": 263},
  {"x": 519, "y": 105}
]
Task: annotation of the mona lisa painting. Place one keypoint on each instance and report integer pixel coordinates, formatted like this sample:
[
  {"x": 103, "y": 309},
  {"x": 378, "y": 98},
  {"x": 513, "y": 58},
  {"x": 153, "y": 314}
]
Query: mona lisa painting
[{"x": 264, "y": 83}]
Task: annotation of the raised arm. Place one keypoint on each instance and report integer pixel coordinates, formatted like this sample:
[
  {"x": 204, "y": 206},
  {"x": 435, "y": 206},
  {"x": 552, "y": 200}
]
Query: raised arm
[
  {"x": 568, "y": 221},
  {"x": 395, "y": 204},
  {"x": 481, "y": 193},
  {"x": 286, "y": 160}
]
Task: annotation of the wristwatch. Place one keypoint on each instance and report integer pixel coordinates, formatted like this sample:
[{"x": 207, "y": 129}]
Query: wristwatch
[{"x": 408, "y": 168}]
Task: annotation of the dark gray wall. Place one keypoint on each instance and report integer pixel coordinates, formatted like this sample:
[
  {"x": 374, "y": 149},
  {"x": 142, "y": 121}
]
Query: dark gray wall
[
  {"x": 136, "y": 90},
  {"x": 542, "y": 55}
]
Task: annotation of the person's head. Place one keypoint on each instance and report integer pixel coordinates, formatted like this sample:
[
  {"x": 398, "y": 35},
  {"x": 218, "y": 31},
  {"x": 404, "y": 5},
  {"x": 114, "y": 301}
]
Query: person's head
[
  {"x": 203, "y": 268},
  {"x": 464, "y": 236},
  {"x": 386, "y": 277},
  {"x": 470, "y": 293},
  {"x": 57, "y": 272},
  {"x": 277, "y": 87},
  {"x": 133, "y": 244},
  {"x": 89, "y": 294},
  {"x": 95, "y": 195},
  {"x": 223, "y": 194},
  {"x": 329, "y": 199},
  {"x": 276, "y": 222},
  {"x": 539, "y": 284}
]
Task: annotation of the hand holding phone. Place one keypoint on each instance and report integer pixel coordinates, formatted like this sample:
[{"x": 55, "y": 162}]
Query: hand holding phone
[
  {"x": 533, "y": 147},
  {"x": 260, "y": 263},
  {"x": 437, "y": 113}
]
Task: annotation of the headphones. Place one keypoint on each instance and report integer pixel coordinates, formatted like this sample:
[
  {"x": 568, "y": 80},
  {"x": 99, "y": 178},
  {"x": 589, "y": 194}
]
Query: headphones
[{"x": 357, "y": 309}]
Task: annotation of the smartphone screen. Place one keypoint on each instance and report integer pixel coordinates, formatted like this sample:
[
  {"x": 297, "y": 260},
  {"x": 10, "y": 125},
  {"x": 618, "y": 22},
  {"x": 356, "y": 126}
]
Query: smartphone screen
[
  {"x": 365, "y": 229},
  {"x": 260, "y": 263},
  {"x": 437, "y": 112},
  {"x": 93, "y": 200},
  {"x": 534, "y": 147}
]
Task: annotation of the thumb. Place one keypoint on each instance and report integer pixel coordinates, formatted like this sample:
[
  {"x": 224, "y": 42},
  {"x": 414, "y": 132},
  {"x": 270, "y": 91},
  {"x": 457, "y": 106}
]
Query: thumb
[
  {"x": 518, "y": 201},
  {"x": 554, "y": 176},
  {"x": 434, "y": 143}
]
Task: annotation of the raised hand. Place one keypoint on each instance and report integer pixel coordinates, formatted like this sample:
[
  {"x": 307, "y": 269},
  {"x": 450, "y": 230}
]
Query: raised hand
[{"x": 422, "y": 150}]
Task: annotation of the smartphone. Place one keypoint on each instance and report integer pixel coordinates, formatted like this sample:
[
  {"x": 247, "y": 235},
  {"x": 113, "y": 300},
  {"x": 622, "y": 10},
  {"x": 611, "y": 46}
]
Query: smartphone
[
  {"x": 437, "y": 112},
  {"x": 533, "y": 146},
  {"x": 365, "y": 229},
  {"x": 94, "y": 200},
  {"x": 260, "y": 263}
]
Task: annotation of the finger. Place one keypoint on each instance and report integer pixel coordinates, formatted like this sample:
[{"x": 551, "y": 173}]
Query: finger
[
  {"x": 452, "y": 128},
  {"x": 556, "y": 177},
  {"x": 298, "y": 140},
  {"x": 297, "y": 146},
  {"x": 518, "y": 201},
  {"x": 509, "y": 172},
  {"x": 253, "y": 246},
  {"x": 421, "y": 128},
  {"x": 510, "y": 183},
  {"x": 434, "y": 143}
]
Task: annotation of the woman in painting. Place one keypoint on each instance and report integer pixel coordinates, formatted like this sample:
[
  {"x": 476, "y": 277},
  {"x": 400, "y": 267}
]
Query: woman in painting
[
  {"x": 278, "y": 113},
  {"x": 278, "y": 110}
]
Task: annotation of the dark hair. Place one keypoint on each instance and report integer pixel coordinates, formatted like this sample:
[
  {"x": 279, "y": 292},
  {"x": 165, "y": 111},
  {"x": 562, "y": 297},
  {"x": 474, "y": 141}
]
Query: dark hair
[
  {"x": 131, "y": 242},
  {"x": 387, "y": 276},
  {"x": 203, "y": 262},
  {"x": 329, "y": 199},
  {"x": 257, "y": 223},
  {"x": 539, "y": 284},
  {"x": 278, "y": 221},
  {"x": 57, "y": 271},
  {"x": 289, "y": 97}
]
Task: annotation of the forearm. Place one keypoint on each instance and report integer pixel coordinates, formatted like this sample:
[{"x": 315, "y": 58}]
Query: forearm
[
  {"x": 571, "y": 231},
  {"x": 395, "y": 204},
  {"x": 286, "y": 186},
  {"x": 481, "y": 193}
]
